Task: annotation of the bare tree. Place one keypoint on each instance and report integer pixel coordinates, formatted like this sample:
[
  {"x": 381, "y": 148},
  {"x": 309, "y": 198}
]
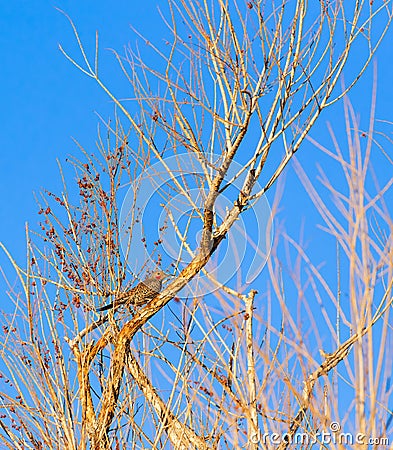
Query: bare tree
[{"x": 237, "y": 90}]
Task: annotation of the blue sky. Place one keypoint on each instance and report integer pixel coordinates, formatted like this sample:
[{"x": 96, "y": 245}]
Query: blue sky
[{"x": 46, "y": 101}]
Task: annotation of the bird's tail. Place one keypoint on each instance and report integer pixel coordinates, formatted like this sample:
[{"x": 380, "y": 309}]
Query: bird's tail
[
  {"x": 106, "y": 307},
  {"x": 114, "y": 305}
]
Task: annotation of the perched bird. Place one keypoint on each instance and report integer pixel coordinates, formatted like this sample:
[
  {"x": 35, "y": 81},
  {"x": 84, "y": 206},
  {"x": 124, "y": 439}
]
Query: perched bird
[{"x": 141, "y": 293}]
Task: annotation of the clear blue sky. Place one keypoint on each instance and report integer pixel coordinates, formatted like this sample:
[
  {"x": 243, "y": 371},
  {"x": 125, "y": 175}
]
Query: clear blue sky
[{"x": 46, "y": 101}]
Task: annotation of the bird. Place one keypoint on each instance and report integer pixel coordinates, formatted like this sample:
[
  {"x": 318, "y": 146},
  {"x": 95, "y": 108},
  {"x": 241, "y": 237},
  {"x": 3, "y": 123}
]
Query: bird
[{"x": 139, "y": 294}]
